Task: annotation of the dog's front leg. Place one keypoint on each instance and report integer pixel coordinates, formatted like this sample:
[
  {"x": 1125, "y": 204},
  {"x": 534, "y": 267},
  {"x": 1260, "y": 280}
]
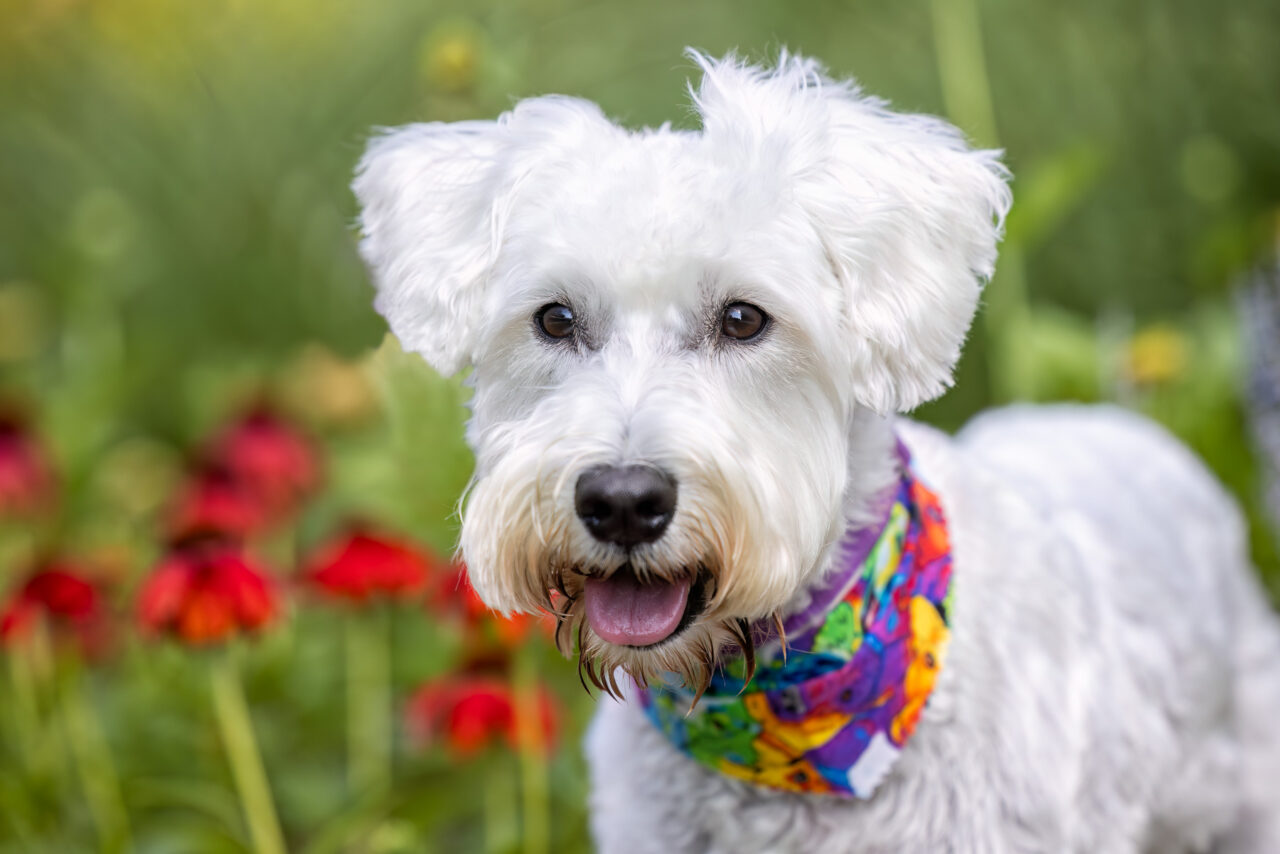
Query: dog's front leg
[{"x": 644, "y": 794}]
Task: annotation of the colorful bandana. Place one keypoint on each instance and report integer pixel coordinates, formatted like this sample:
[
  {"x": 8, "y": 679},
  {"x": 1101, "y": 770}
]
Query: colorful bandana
[{"x": 831, "y": 714}]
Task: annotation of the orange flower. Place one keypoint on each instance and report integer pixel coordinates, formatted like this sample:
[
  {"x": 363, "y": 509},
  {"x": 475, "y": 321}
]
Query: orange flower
[
  {"x": 469, "y": 713},
  {"x": 359, "y": 565},
  {"x": 26, "y": 477},
  {"x": 59, "y": 591},
  {"x": 545, "y": 713},
  {"x": 203, "y": 593},
  {"x": 270, "y": 458}
]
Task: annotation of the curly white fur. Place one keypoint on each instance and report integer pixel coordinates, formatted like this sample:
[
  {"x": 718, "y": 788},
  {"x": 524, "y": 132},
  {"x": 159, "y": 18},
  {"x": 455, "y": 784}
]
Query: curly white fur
[{"x": 1112, "y": 670}]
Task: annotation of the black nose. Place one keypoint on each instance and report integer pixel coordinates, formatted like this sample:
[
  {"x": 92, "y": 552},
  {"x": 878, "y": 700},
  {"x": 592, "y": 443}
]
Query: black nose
[{"x": 625, "y": 505}]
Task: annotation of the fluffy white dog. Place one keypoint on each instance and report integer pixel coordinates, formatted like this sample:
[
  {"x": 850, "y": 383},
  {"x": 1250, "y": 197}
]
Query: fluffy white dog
[{"x": 687, "y": 350}]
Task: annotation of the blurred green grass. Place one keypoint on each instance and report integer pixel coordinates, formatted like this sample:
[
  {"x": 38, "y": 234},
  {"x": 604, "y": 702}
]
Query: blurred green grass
[
  {"x": 175, "y": 237},
  {"x": 173, "y": 179}
]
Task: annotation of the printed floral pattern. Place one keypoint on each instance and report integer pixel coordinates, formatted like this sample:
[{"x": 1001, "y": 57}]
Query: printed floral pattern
[{"x": 832, "y": 714}]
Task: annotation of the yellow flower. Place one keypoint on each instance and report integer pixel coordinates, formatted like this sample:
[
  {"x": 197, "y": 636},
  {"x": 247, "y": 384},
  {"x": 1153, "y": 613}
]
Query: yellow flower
[
  {"x": 328, "y": 389},
  {"x": 1157, "y": 355},
  {"x": 137, "y": 476},
  {"x": 451, "y": 56}
]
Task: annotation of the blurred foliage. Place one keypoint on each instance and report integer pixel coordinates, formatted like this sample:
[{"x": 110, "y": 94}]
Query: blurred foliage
[{"x": 175, "y": 239}]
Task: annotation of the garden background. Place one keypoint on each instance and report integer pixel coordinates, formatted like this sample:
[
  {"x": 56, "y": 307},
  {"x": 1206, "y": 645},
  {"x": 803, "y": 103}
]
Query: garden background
[{"x": 228, "y": 624}]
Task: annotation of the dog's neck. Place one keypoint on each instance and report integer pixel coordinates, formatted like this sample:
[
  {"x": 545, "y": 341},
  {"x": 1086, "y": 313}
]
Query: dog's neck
[{"x": 871, "y": 479}]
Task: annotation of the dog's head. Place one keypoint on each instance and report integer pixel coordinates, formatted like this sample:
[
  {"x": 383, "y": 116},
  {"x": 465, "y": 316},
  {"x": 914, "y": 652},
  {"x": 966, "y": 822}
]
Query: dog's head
[{"x": 674, "y": 336}]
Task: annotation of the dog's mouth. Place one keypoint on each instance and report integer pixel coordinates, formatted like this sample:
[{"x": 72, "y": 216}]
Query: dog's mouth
[{"x": 624, "y": 610}]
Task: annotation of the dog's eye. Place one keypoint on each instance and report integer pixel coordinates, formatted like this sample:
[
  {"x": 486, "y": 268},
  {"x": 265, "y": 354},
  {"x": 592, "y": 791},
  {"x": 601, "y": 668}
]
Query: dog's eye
[
  {"x": 555, "y": 320},
  {"x": 742, "y": 321}
]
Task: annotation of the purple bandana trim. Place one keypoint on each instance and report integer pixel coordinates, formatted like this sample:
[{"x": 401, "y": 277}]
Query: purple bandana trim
[{"x": 854, "y": 549}]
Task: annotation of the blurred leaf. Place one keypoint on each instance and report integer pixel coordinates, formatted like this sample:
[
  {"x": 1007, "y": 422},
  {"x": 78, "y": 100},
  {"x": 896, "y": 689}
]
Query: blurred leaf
[
  {"x": 197, "y": 796},
  {"x": 1065, "y": 362},
  {"x": 1049, "y": 190}
]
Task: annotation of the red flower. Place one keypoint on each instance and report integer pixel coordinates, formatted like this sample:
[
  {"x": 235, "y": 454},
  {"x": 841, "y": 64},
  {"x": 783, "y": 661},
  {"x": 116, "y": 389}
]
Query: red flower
[
  {"x": 206, "y": 592},
  {"x": 214, "y": 502},
  {"x": 26, "y": 477},
  {"x": 453, "y": 596},
  {"x": 16, "y": 618},
  {"x": 60, "y": 592},
  {"x": 250, "y": 477},
  {"x": 468, "y": 714},
  {"x": 63, "y": 593},
  {"x": 269, "y": 457},
  {"x": 359, "y": 565}
]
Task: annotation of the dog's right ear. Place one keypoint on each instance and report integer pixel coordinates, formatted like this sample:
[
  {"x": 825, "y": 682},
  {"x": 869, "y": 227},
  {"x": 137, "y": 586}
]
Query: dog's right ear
[{"x": 431, "y": 207}]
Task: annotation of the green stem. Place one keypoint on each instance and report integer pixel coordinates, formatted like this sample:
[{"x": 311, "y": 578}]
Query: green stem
[
  {"x": 1007, "y": 325},
  {"x": 966, "y": 93},
  {"x": 962, "y": 68},
  {"x": 242, "y": 752},
  {"x": 495, "y": 809},
  {"x": 534, "y": 801},
  {"x": 53, "y": 753},
  {"x": 26, "y": 708},
  {"x": 93, "y": 760},
  {"x": 368, "y": 702}
]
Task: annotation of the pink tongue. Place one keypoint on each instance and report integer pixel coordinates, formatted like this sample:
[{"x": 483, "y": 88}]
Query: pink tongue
[{"x": 621, "y": 610}]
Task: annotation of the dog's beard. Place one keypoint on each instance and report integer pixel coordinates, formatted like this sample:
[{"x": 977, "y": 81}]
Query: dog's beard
[
  {"x": 706, "y": 638},
  {"x": 529, "y": 561},
  {"x": 734, "y": 536}
]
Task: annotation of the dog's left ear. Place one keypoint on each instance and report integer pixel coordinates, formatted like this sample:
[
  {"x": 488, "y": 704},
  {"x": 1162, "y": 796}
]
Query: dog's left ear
[{"x": 909, "y": 215}]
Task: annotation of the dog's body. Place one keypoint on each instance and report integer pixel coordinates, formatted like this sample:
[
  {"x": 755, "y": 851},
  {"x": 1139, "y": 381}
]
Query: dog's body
[
  {"x": 1112, "y": 684},
  {"x": 687, "y": 346}
]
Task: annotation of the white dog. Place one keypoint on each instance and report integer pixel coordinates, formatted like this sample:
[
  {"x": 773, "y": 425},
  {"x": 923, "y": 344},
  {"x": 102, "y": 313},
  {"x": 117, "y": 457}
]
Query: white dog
[{"x": 687, "y": 350}]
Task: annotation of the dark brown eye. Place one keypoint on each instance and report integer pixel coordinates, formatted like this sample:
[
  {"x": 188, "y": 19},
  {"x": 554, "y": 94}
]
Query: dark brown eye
[
  {"x": 742, "y": 321},
  {"x": 555, "y": 320}
]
